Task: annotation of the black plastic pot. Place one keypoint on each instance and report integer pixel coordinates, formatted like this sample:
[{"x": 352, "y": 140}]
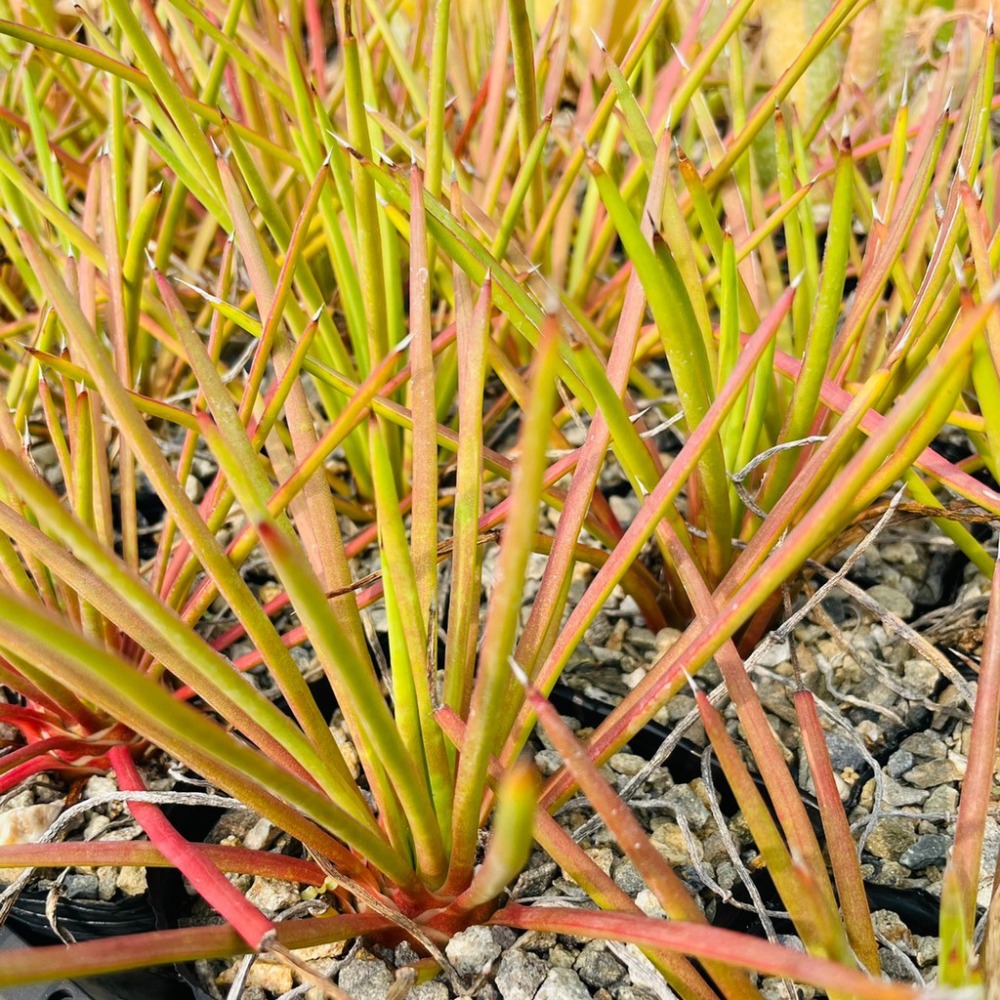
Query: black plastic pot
[
  {"x": 87, "y": 920},
  {"x": 165, "y": 903},
  {"x": 150, "y": 984},
  {"x": 63, "y": 990}
]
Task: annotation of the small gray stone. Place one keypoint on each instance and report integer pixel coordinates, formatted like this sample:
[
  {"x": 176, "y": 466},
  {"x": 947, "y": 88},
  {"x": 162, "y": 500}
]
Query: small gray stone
[
  {"x": 891, "y": 599},
  {"x": 597, "y": 966},
  {"x": 669, "y": 840},
  {"x": 583, "y": 656},
  {"x": 951, "y": 697},
  {"x": 626, "y": 763},
  {"x": 666, "y": 638},
  {"x": 926, "y": 949},
  {"x": 547, "y": 762},
  {"x": 194, "y": 490},
  {"x": 899, "y": 763},
  {"x": 624, "y": 508},
  {"x": 629, "y": 607},
  {"x": 944, "y": 799},
  {"x": 682, "y": 801},
  {"x": 132, "y": 881},
  {"x": 472, "y": 950},
  {"x": 96, "y": 824},
  {"x": 404, "y": 954},
  {"x": 890, "y": 925},
  {"x": 991, "y": 843},
  {"x": 641, "y": 638},
  {"x": 538, "y": 941},
  {"x": 603, "y": 857},
  {"x": 792, "y": 941},
  {"x": 679, "y": 707},
  {"x": 890, "y": 837},
  {"x": 903, "y": 552},
  {"x": 505, "y": 937},
  {"x": 98, "y": 785},
  {"x": 933, "y": 773},
  {"x": 520, "y": 974},
  {"x": 272, "y": 895},
  {"x": 235, "y": 823},
  {"x": 627, "y": 877},
  {"x": 107, "y": 877},
  {"x": 931, "y": 849},
  {"x": 925, "y": 745},
  {"x": 203, "y": 468},
  {"x": 891, "y": 873},
  {"x": 921, "y": 677},
  {"x": 634, "y": 679},
  {"x": 561, "y": 957},
  {"x": 633, "y": 993},
  {"x": 773, "y": 654},
  {"x": 535, "y": 880},
  {"x": 650, "y": 905},
  {"x": 434, "y": 990},
  {"x": 896, "y": 794},
  {"x": 365, "y": 979},
  {"x": 81, "y": 886},
  {"x": 715, "y": 848},
  {"x": 261, "y": 835},
  {"x": 562, "y": 984},
  {"x": 894, "y": 965},
  {"x": 774, "y": 697},
  {"x": 604, "y": 656},
  {"x": 772, "y": 988},
  {"x": 845, "y": 751}
]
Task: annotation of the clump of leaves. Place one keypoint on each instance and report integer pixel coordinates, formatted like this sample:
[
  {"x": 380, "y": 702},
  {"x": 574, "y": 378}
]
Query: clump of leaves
[{"x": 331, "y": 267}]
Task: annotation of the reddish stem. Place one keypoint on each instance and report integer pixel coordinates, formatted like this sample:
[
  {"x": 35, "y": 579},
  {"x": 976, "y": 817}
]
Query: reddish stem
[
  {"x": 251, "y": 925},
  {"x": 95, "y": 853},
  {"x": 44, "y": 763}
]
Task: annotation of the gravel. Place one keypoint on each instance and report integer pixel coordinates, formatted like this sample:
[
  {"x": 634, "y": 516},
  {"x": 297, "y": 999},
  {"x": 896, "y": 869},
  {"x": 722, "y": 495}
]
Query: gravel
[
  {"x": 562, "y": 984},
  {"x": 365, "y": 979},
  {"x": 933, "y": 773},
  {"x": 597, "y": 967},
  {"x": 930, "y": 849},
  {"x": 272, "y": 895},
  {"x": 899, "y": 763},
  {"x": 892, "y": 600},
  {"x": 433, "y": 990},
  {"x": 81, "y": 886},
  {"x": 890, "y": 837},
  {"x": 520, "y": 974},
  {"x": 472, "y": 951}
]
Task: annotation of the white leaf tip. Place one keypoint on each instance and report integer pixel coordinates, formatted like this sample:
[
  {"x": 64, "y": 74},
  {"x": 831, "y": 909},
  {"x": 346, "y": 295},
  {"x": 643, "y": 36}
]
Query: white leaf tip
[{"x": 518, "y": 672}]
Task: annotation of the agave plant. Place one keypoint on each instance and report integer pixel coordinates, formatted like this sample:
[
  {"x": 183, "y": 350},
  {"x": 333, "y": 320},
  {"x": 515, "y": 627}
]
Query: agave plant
[{"x": 327, "y": 275}]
